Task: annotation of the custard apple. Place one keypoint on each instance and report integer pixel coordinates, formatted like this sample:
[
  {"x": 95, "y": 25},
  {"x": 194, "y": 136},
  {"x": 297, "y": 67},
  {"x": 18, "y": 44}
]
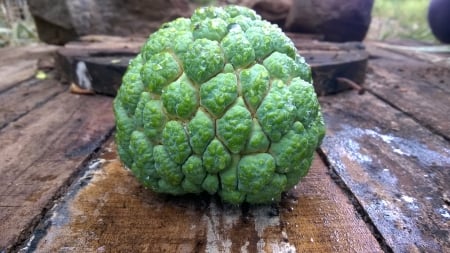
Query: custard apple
[{"x": 221, "y": 103}]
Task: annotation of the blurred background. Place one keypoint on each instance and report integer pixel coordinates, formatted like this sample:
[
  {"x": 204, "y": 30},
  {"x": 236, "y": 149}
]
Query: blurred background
[
  {"x": 391, "y": 20},
  {"x": 16, "y": 24},
  {"x": 400, "y": 19}
]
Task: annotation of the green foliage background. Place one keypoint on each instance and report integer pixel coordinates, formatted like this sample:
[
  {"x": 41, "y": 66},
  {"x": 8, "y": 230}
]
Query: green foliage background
[
  {"x": 400, "y": 19},
  {"x": 16, "y": 24}
]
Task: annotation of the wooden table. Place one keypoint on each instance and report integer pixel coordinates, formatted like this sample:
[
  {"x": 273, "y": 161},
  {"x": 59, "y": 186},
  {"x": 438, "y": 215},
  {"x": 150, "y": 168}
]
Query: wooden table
[{"x": 379, "y": 182}]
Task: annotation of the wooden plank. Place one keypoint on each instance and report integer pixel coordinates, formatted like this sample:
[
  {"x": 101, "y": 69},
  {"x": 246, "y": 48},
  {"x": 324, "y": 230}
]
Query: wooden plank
[
  {"x": 418, "y": 88},
  {"x": 107, "y": 210},
  {"x": 20, "y": 63},
  {"x": 98, "y": 44},
  {"x": 397, "y": 169},
  {"x": 319, "y": 217},
  {"x": 41, "y": 152},
  {"x": 16, "y": 72},
  {"x": 436, "y": 54},
  {"x": 31, "y": 51},
  {"x": 26, "y": 96},
  {"x": 433, "y": 72}
]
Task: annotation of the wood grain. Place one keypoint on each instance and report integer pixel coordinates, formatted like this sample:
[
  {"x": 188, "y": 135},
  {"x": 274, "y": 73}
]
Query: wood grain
[
  {"x": 434, "y": 54},
  {"x": 20, "y": 63},
  {"x": 26, "y": 96},
  {"x": 418, "y": 88},
  {"x": 17, "y": 72},
  {"x": 108, "y": 210},
  {"x": 33, "y": 51},
  {"x": 41, "y": 152},
  {"x": 397, "y": 169},
  {"x": 319, "y": 217}
]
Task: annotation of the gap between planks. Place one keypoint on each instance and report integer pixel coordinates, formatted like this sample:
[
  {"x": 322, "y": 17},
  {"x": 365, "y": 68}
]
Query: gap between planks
[
  {"x": 26, "y": 97},
  {"x": 418, "y": 88},
  {"x": 396, "y": 169},
  {"x": 41, "y": 152}
]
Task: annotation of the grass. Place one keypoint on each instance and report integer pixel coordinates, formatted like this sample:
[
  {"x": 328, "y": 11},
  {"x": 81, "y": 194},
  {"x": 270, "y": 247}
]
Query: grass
[{"x": 400, "y": 19}]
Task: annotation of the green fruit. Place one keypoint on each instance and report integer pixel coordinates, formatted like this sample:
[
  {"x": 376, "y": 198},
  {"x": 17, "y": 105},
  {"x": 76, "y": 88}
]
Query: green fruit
[{"x": 219, "y": 103}]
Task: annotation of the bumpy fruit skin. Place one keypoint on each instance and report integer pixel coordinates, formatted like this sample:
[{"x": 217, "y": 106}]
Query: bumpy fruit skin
[{"x": 221, "y": 103}]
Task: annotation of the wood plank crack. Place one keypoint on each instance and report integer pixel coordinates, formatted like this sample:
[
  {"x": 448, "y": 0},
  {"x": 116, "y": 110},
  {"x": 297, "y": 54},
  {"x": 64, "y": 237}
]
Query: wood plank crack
[
  {"x": 35, "y": 167},
  {"x": 395, "y": 168}
]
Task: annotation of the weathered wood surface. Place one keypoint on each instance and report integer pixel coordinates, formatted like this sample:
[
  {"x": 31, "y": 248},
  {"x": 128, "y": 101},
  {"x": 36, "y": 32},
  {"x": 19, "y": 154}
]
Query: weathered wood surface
[
  {"x": 41, "y": 151},
  {"x": 385, "y": 189},
  {"x": 32, "y": 51},
  {"x": 436, "y": 54},
  {"x": 31, "y": 94},
  {"x": 17, "y": 72},
  {"x": 107, "y": 210},
  {"x": 398, "y": 170},
  {"x": 417, "y": 87},
  {"x": 20, "y": 63},
  {"x": 99, "y": 62}
]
